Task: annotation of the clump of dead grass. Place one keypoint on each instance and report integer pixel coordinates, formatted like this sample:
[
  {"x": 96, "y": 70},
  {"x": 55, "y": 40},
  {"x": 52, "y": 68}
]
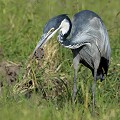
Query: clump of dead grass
[{"x": 48, "y": 83}]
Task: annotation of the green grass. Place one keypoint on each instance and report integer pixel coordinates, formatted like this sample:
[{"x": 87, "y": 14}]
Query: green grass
[{"x": 21, "y": 24}]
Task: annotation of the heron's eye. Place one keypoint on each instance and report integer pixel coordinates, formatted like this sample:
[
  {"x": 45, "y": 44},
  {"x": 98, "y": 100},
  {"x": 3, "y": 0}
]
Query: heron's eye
[{"x": 52, "y": 30}]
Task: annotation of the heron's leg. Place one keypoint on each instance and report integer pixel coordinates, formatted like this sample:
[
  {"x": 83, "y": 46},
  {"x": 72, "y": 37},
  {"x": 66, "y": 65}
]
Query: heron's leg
[
  {"x": 74, "y": 84},
  {"x": 75, "y": 64},
  {"x": 93, "y": 91}
]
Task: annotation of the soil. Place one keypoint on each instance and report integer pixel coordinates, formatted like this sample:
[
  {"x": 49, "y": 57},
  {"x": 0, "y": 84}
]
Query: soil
[{"x": 8, "y": 72}]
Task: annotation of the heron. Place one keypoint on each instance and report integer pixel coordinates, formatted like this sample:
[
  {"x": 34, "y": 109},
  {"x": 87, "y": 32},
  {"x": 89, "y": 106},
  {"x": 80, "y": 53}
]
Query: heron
[{"x": 87, "y": 37}]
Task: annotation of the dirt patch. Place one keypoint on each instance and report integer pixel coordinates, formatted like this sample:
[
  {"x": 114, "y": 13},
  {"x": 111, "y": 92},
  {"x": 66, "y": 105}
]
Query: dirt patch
[{"x": 8, "y": 72}]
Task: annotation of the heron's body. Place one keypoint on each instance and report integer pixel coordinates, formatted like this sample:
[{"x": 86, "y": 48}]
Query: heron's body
[
  {"x": 91, "y": 30},
  {"x": 88, "y": 39}
]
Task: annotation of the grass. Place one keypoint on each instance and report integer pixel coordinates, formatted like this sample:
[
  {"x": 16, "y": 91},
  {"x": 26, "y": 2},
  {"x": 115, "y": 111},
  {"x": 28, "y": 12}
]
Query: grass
[{"x": 21, "y": 24}]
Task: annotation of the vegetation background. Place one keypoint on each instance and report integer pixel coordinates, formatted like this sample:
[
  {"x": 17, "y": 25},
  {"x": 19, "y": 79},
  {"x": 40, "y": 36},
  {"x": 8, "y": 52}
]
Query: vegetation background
[{"x": 21, "y": 24}]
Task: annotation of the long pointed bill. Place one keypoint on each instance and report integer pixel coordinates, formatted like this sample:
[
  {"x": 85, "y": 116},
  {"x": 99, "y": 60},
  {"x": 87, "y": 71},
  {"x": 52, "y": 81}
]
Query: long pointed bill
[
  {"x": 44, "y": 39},
  {"x": 41, "y": 42}
]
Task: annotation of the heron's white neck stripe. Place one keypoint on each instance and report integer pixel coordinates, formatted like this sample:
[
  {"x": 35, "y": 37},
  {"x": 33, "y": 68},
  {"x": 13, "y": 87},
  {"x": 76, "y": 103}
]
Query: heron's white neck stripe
[{"x": 65, "y": 26}]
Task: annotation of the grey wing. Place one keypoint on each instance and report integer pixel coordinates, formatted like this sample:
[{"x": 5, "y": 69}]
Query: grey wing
[{"x": 90, "y": 32}]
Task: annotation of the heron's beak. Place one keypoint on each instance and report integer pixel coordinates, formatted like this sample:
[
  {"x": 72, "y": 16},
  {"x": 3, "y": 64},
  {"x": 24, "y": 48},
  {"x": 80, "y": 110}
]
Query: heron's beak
[
  {"x": 42, "y": 41},
  {"x": 45, "y": 37}
]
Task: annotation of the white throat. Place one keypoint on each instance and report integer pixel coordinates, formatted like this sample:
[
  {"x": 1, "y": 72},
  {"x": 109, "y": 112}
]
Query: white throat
[{"x": 64, "y": 26}]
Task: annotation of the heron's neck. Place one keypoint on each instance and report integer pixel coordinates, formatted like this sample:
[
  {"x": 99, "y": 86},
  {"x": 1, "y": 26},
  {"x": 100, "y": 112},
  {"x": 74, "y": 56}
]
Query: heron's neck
[
  {"x": 63, "y": 40},
  {"x": 70, "y": 43}
]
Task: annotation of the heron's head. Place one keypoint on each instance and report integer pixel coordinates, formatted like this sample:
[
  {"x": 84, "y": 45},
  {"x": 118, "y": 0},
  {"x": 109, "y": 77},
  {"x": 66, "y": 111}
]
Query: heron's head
[{"x": 59, "y": 23}]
